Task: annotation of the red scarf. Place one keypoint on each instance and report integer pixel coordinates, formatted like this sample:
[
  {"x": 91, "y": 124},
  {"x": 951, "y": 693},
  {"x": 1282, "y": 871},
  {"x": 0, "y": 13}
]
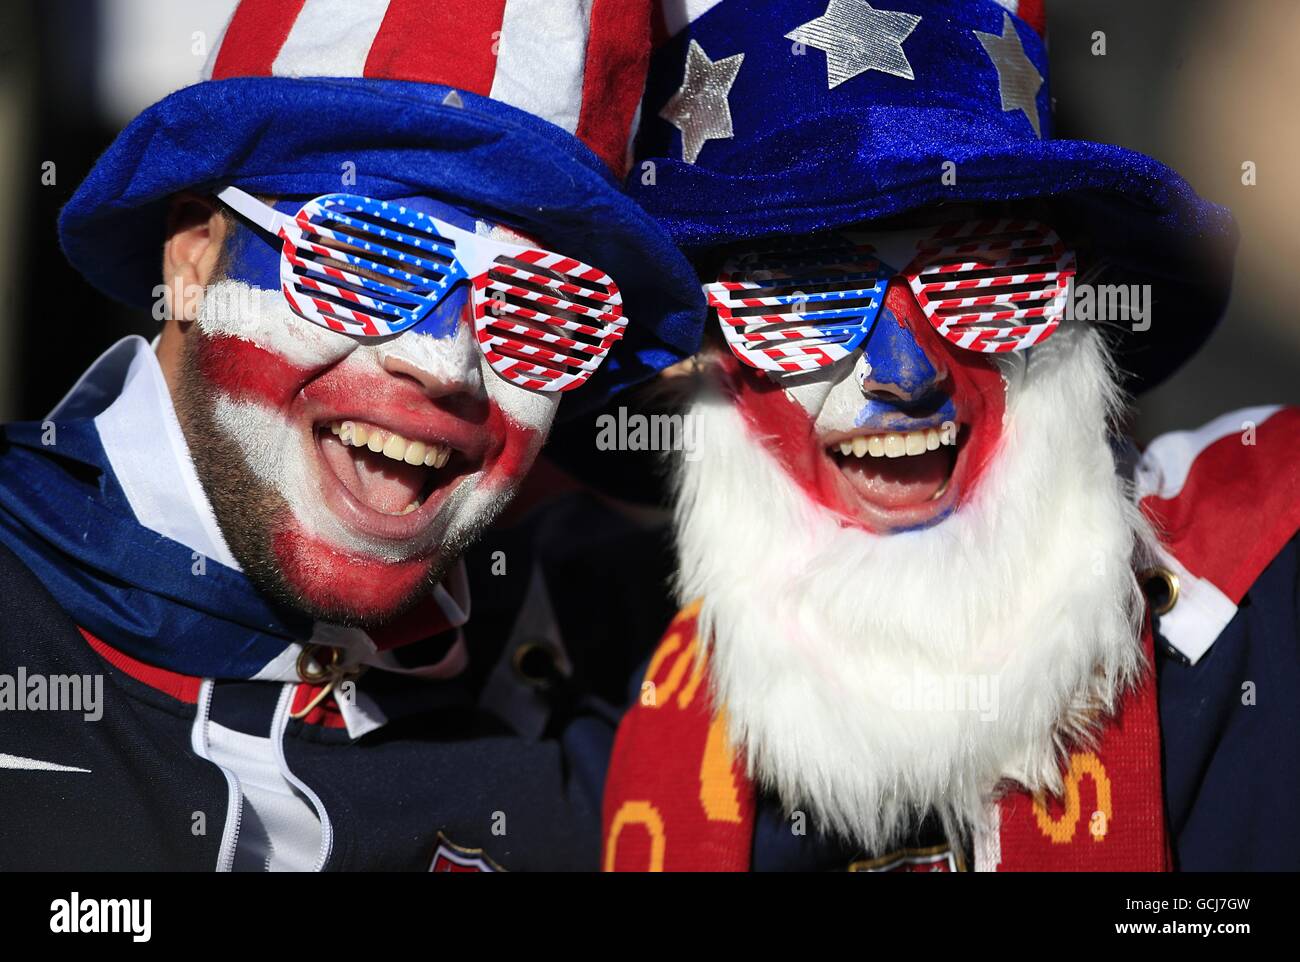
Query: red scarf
[{"x": 678, "y": 799}]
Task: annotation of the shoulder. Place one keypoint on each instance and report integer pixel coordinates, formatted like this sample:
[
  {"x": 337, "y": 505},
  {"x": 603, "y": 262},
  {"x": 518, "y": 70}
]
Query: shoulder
[{"x": 1225, "y": 497}]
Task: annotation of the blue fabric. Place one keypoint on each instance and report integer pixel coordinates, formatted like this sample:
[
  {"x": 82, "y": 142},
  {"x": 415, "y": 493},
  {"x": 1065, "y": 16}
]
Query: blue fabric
[
  {"x": 1232, "y": 765},
  {"x": 300, "y": 137},
  {"x": 64, "y": 515},
  {"x": 805, "y": 157}
]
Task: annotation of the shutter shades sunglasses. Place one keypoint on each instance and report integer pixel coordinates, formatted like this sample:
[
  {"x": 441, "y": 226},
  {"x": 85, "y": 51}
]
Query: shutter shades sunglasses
[
  {"x": 989, "y": 285},
  {"x": 371, "y": 268}
]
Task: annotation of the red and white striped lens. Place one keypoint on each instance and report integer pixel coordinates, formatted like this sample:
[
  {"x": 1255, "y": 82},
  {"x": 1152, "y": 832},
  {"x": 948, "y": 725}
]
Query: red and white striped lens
[
  {"x": 799, "y": 306},
  {"x": 546, "y": 321},
  {"x": 993, "y": 285},
  {"x": 374, "y": 268},
  {"x": 990, "y": 286}
]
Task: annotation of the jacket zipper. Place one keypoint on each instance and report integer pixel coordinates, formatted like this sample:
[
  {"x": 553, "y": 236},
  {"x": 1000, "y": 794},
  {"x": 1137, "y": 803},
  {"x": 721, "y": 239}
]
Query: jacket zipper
[
  {"x": 279, "y": 725},
  {"x": 234, "y": 794}
]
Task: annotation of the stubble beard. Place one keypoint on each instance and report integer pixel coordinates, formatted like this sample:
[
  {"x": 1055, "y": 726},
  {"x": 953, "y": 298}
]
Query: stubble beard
[{"x": 249, "y": 511}]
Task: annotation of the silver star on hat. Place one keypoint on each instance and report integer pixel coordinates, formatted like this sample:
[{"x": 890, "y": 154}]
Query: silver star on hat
[
  {"x": 700, "y": 109},
  {"x": 857, "y": 38},
  {"x": 1018, "y": 78}
]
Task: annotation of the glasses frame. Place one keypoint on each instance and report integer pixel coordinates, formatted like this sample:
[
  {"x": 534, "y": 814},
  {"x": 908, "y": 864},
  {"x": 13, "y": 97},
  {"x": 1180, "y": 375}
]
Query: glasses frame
[
  {"x": 992, "y": 285},
  {"x": 372, "y": 269}
]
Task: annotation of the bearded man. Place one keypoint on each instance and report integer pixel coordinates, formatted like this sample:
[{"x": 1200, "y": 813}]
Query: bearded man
[
  {"x": 913, "y": 538},
  {"x": 237, "y": 635}
]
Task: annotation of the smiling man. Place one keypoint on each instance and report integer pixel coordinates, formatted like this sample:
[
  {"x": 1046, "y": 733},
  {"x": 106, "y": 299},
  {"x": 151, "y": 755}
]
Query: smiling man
[
  {"x": 927, "y": 579},
  {"x": 325, "y": 452},
  {"x": 391, "y": 241}
]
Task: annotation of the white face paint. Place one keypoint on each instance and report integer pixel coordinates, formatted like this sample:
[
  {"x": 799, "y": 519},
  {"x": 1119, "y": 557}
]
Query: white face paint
[{"x": 275, "y": 385}]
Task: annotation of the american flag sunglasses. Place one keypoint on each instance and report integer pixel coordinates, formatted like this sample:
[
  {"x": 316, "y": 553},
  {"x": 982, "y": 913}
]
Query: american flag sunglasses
[
  {"x": 989, "y": 285},
  {"x": 371, "y": 268}
]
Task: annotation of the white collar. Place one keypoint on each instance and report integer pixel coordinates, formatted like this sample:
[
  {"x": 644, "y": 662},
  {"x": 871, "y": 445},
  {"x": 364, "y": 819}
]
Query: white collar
[{"x": 126, "y": 394}]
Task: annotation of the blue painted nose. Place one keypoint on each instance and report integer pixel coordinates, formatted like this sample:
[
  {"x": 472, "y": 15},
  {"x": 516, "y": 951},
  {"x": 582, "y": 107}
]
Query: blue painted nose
[{"x": 893, "y": 365}]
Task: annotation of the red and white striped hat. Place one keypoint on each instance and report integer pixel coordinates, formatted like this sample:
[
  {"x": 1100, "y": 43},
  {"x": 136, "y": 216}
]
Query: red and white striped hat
[
  {"x": 579, "y": 64},
  {"x": 518, "y": 111}
]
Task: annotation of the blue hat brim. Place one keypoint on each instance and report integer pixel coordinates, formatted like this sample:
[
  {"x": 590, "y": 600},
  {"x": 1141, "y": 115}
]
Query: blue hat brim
[
  {"x": 287, "y": 137},
  {"x": 881, "y": 161}
]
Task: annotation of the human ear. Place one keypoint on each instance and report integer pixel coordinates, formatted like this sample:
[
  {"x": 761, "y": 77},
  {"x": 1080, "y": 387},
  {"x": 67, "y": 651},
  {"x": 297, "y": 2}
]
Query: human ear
[{"x": 196, "y": 234}]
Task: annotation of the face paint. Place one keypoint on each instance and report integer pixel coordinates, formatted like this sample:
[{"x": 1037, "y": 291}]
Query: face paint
[
  {"x": 319, "y": 521},
  {"x": 894, "y": 437}
]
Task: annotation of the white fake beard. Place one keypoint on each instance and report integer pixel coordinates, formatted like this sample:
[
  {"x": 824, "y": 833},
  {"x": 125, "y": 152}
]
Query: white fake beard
[{"x": 872, "y": 679}]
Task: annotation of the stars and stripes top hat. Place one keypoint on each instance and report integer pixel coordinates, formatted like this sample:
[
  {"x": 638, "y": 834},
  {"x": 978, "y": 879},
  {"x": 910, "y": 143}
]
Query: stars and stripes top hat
[
  {"x": 519, "y": 111},
  {"x": 787, "y": 117}
]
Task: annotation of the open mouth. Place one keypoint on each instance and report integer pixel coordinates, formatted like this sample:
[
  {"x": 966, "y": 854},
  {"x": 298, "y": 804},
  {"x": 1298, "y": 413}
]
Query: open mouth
[
  {"x": 899, "y": 470},
  {"x": 389, "y": 485}
]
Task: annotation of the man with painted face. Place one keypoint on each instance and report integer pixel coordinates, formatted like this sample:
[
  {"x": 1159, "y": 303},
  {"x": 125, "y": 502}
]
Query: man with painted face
[
  {"x": 914, "y": 542},
  {"x": 237, "y": 630}
]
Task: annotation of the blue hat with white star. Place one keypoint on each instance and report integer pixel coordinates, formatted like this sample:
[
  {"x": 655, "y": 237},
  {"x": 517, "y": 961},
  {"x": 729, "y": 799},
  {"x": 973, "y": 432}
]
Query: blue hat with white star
[{"x": 788, "y": 117}]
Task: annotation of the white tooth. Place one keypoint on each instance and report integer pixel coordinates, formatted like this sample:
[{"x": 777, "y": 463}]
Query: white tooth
[
  {"x": 895, "y": 446},
  {"x": 359, "y": 435},
  {"x": 876, "y": 446},
  {"x": 948, "y": 437},
  {"x": 414, "y": 453},
  {"x": 859, "y": 446},
  {"x": 334, "y": 427},
  {"x": 376, "y": 441},
  {"x": 345, "y": 431},
  {"x": 932, "y": 440},
  {"x": 431, "y": 456},
  {"x": 395, "y": 447},
  {"x": 915, "y": 441},
  {"x": 846, "y": 447}
]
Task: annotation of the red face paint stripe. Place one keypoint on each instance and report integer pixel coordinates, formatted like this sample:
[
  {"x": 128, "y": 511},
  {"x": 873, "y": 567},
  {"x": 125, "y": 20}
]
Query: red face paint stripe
[
  {"x": 254, "y": 37},
  {"x": 247, "y": 372},
  {"x": 408, "y": 45},
  {"x": 371, "y": 586}
]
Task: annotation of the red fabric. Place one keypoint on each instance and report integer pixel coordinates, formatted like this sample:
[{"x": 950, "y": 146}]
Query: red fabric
[
  {"x": 181, "y": 687},
  {"x": 1111, "y": 817},
  {"x": 1034, "y": 13},
  {"x": 1239, "y": 506},
  {"x": 618, "y": 56},
  {"x": 676, "y": 799},
  {"x": 254, "y": 37},
  {"x": 452, "y": 43},
  {"x": 327, "y": 713}
]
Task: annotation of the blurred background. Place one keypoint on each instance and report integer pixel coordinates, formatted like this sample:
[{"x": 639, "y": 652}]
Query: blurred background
[{"x": 1203, "y": 85}]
